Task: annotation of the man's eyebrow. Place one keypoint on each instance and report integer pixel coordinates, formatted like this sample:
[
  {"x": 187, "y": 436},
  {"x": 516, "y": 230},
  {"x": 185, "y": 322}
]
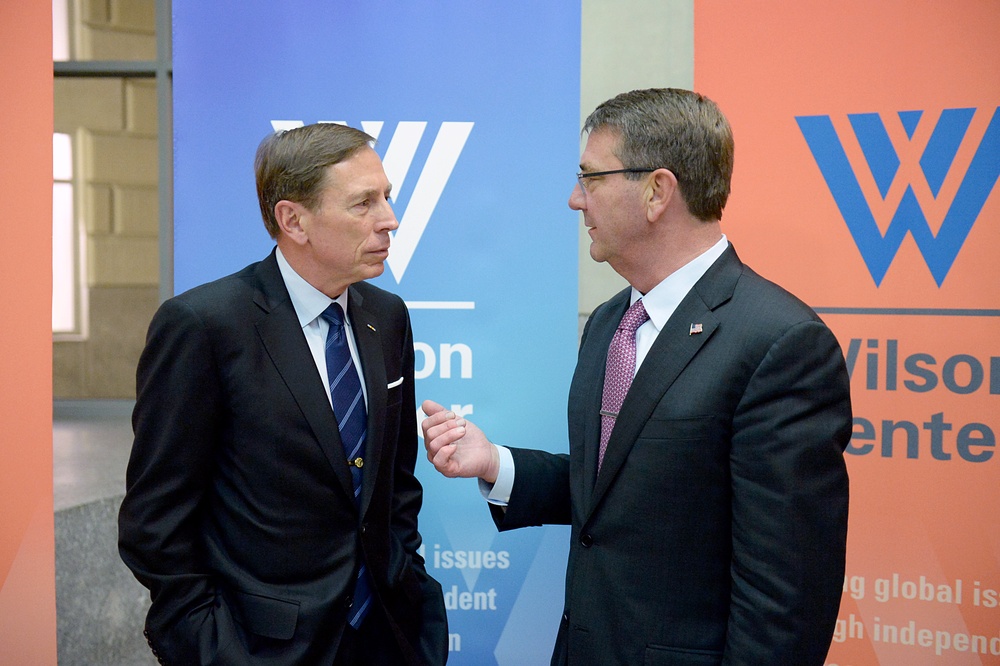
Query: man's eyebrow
[{"x": 370, "y": 192}]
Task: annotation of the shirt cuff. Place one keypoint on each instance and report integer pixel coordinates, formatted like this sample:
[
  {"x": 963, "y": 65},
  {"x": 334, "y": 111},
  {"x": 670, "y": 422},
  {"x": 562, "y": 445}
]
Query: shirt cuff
[{"x": 499, "y": 492}]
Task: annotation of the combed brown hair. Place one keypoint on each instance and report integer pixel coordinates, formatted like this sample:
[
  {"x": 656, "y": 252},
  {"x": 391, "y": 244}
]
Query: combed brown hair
[{"x": 292, "y": 164}]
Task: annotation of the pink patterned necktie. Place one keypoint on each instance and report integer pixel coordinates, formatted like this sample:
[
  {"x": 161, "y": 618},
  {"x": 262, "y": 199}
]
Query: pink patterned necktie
[{"x": 619, "y": 371}]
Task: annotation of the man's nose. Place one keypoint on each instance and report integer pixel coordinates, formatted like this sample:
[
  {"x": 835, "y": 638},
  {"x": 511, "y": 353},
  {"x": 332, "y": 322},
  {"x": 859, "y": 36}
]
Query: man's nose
[
  {"x": 388, "y": 221},
  {"x": 577, "y": 199}
]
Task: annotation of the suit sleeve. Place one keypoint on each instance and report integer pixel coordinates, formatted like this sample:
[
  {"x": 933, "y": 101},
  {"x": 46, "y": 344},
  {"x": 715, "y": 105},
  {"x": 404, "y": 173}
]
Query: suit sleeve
[
  {"x": 540, "y": 495},
  {"x": 176, "y": 426},
  {"x": 789, "y": 501}
]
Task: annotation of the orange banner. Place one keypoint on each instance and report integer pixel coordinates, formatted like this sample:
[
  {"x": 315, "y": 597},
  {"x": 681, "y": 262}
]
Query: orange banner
[
  {"x": 867, "y": 157},
  {"x": 27, "y": 546}
]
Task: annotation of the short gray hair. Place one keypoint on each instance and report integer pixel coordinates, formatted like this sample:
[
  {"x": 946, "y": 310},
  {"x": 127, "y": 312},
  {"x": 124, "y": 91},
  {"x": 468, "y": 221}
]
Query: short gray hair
[{"x": 678, "y": 130}]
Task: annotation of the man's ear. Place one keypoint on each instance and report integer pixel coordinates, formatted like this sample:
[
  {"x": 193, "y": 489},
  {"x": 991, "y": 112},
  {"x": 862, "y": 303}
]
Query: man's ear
[
  {"x": 290, "y": 217},
  {"x": 660, "y": 192}
]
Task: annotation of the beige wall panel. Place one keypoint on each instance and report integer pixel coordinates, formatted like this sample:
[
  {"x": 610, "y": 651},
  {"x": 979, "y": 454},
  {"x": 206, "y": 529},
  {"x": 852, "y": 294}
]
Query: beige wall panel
[
  {"x": 136, "y": 212},
  {"x": 140, "y": 106},
  {"x": 95, "y": 104},
  {"x": 67, "y": 370},
  {"x": 96, "y": 215},
  {"x": 122, "y": 160},
  {"x": 134, "y": 15},
  {"x": 120, "y": 317},
  {"x": 117, "y": 261},
  {"x": 102, "y": 44},
  {"x": 625, "y": 45},
  {"x": 95, "y": 12},
  {"x": 116, "y": 124}
]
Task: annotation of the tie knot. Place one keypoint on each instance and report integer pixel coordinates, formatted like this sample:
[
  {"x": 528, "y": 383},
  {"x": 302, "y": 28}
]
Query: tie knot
[
  {"x": 634, "y": 317},
  {"x": 334, "y": 315}
]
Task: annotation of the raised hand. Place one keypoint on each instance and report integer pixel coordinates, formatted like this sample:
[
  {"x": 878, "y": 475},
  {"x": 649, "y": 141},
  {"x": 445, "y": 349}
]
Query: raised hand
[{"x": 456, "y": 447}]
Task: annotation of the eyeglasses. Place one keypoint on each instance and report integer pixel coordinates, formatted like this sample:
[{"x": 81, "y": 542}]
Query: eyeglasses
[{"x": 582, "y": 177}]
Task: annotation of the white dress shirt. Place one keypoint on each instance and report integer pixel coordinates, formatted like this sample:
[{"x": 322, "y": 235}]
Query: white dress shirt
[
  {"x": 309, "y": 303},
  {"x": 660, "y": 303}
]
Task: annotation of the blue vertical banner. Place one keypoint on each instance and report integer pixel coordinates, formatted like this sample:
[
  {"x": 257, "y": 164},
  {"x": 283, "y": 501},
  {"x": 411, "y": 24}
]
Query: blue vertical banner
[{"x": 475, "y": 109}]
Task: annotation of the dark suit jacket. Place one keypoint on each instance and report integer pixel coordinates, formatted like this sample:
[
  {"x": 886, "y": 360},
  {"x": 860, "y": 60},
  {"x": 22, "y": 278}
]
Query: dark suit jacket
[
  {"x": 716, "y": 531},
  {"x": 239, "y": 514}
]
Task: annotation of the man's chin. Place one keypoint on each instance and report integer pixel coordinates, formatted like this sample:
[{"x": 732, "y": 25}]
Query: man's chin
[{"x": 374, "y": 270}]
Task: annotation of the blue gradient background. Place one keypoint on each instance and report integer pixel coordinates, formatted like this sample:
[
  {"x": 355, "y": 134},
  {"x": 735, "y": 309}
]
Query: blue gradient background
[{"x": 501, "y": 234}]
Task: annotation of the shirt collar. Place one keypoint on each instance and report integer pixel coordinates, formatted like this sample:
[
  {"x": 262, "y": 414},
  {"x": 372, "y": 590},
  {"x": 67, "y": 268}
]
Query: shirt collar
[
  {"x": 308, "y": 301},
  {"x": 663, "y": 299}
]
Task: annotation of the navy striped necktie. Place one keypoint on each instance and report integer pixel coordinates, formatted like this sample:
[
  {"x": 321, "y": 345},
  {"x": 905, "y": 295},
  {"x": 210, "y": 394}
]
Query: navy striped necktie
[{"x": 352, "y": 421}]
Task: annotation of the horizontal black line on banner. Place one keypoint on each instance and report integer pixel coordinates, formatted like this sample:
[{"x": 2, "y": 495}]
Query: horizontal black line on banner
[{"x": 918, "y": 312}]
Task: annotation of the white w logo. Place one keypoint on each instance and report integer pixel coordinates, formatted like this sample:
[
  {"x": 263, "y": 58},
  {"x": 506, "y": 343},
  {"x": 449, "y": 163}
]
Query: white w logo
[{"x": 399, "y": 155}]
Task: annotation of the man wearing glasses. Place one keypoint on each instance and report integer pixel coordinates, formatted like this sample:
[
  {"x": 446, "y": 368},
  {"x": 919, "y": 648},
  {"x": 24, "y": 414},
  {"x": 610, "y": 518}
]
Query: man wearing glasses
[{"x": 708, "y": 414}]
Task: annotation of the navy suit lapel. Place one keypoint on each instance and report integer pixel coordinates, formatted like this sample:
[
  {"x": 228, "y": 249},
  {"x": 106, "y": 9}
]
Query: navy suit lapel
[
  {"x": 674, "y": 348},
  {"x": 369, "y": 344},
  {"x": 282, "y": 337}
]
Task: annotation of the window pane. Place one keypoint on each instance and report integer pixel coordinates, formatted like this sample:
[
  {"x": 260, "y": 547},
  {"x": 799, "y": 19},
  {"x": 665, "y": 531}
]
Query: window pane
[
  {"x": 63, "y": 260},
  {"x": 62, "y": 157},
  {"x": 60, "y": 30}
]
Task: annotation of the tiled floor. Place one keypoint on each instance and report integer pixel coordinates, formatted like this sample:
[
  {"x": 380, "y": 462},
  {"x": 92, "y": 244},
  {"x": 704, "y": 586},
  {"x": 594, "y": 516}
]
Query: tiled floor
[
  {"x": 100, "y": 606},
  {"x": 91, "y": 441}
]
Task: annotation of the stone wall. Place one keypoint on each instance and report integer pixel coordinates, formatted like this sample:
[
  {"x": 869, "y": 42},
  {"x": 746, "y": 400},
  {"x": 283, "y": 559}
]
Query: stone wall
[{"x": 113, "y": 122}]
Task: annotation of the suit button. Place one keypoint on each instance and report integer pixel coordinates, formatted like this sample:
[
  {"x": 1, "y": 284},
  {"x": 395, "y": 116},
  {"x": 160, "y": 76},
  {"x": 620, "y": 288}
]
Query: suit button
[
  {"x": 364, "y": 528},
  {"x": 586, "y": 541},
  {"x": 348, "y": 602}
]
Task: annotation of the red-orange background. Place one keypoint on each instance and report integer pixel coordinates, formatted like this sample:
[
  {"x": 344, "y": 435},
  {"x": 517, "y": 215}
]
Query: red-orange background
[
  {"x": 27, "y": 549},
  {"x": 765, "y": 64}
]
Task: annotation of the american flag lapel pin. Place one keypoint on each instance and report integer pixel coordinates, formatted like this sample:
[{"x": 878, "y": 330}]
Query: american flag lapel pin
[{"x": 695, "y": 329}]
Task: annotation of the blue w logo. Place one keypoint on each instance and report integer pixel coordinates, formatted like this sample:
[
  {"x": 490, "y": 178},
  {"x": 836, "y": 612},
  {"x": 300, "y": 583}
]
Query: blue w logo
[{"x": 883, "y": 161}]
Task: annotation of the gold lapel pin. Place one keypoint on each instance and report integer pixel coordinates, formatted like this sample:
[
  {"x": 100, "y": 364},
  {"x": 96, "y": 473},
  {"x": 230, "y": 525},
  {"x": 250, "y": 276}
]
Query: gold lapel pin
[{"x": 372, "y": 327}]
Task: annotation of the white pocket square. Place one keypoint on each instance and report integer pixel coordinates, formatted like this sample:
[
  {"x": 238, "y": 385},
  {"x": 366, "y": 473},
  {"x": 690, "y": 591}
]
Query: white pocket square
[{"x": 394, "y": 384}]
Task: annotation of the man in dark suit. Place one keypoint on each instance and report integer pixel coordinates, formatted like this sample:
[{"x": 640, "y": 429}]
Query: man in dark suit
[
  {"x": 260, "y": 537},
  {"x": 708, "y": 498}
]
